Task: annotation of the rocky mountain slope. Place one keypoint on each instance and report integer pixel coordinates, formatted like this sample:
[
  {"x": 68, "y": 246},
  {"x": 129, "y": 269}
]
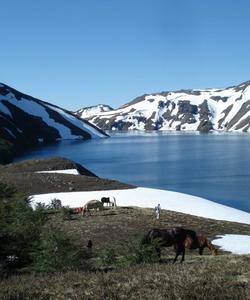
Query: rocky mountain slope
[
  {"x": 26, "y": 121},
  {"x": 203, "y": 110}
]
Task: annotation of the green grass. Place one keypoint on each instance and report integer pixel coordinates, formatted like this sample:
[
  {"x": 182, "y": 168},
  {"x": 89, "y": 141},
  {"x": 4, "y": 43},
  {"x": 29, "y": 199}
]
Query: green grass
[
  {"x": 114, "y": 233},
  {"x": 114, "y": 226}
]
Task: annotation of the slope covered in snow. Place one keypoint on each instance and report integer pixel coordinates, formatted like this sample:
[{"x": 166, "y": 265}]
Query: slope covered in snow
[
  {"x": 149, "y": 198},
  {"x": 203, "y": 110},
  {"x": 92, "y": 110},
  {"x": 26, "y": 121}
]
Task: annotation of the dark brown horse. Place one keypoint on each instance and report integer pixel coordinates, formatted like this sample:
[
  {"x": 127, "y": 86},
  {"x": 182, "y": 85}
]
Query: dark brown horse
[
  {"x": 106, "y": 200},
  {"x": 170, "y": 237},
  {"x": 180, "y": 238},
  {"x": 200, "y": 242}
]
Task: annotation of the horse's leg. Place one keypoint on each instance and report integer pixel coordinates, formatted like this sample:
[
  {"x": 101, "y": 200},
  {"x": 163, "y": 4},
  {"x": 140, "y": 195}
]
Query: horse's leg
[
  {"x": 201, "y": 250},
  {"x": 183, "y": 254},
  {"x": 176, "y": 248},
  {"x": 158, "y": 251}
]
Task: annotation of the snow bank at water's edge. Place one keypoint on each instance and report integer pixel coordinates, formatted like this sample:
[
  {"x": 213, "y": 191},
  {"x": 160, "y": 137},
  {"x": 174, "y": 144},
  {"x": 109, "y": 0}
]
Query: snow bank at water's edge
[{"x": 149, "y": 198}]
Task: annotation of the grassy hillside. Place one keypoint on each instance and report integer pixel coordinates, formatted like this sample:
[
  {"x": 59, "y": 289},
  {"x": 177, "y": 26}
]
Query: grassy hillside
[
  {"x": 113, "y": 273},
  {"x": 24, "y": 177},
  {"x": 223, "y": 277}
]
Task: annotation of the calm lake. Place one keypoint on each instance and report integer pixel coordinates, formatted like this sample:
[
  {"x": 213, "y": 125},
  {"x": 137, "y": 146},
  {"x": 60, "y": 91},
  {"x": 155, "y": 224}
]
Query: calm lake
[{"x": 213, "y": 166}]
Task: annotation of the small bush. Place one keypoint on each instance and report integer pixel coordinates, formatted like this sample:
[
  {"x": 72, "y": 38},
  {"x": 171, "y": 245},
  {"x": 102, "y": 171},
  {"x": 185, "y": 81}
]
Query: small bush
[
  {"x": 55, "y": 204},
  {"x": 66, "y": 213},
  {"x": 135, "y": 252},
  {"x": 55, "y": 252},
  {"x": 41, "y": 210},
  {"x": 148, "y": 253},
  {"x": 6, "y": 191},
  {"x": 20, "y": 227},
  {"x": 27, "y": 242},
  {"x": 107, "y": 257}
]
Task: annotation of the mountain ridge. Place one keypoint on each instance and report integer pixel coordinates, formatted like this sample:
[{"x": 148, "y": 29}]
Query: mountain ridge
[
  {"x": 26, "y": 121},
  {"x": 222, "y": 109}
]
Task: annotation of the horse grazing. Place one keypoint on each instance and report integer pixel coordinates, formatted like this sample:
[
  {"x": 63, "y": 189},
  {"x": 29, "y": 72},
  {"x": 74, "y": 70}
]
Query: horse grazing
[
  {"x": 93, "y": 204},
  {"x": 169, "y": 237},
  {"x": 200, "y": 242},
  {"x": 108, "y": 201},
  {"x": 79, "y": 210},
  {"x": 180, "y": 238}
]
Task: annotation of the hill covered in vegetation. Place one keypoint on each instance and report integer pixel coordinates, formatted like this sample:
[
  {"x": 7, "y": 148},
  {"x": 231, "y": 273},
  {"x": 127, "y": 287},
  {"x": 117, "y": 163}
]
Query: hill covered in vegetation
[{"x": 43, "y": 255}]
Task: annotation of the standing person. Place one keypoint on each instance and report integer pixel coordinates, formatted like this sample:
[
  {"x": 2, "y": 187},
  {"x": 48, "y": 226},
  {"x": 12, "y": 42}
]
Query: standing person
[{"x": 158, "y": 211}]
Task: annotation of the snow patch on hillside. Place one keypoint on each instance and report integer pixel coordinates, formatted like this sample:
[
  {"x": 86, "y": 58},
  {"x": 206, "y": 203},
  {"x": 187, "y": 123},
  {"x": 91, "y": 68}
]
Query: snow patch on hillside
[
  {"x": 235, "y": 243},
  {"x": 68, "y": 171},
  {"x": 5, "y": 109},
  {"x": 149, "y": 198},
  {"x": 78, "y": 123},
  {"x": 93, "y": 110}
]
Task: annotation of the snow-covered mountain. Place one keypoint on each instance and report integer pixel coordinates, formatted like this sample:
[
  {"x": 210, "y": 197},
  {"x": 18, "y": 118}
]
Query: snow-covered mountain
[
  {"x": 26, "y": 121},
  {"x": 92, "y": 110},
  {"x": 203, "y": 110}
]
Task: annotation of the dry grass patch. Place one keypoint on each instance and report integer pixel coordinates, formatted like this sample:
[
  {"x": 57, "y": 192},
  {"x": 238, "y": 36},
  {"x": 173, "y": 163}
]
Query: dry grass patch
[{"x": 223, "y": 277}]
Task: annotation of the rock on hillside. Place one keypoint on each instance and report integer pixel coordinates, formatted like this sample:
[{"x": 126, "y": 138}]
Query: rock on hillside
[
  {"x": 26, "y": 121},
  {"x": 25, "y": 177},
  {"x": 203, "y": 110}
]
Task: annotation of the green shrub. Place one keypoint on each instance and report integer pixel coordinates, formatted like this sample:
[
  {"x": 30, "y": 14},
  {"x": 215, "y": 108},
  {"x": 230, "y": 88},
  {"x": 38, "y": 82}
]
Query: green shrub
[
  {"x": 20, "y": 227},
  {"x": 25, "y": 241},
  {"x": 55, "y": 252},
  {"x": 66, "y": 213},
  {"x": 41, "y": 210},
  {"x": 6, "y": 191},
  {"x": 55, "y": 204},
  {"x": 147, "y": 253},
  {"x": 107, "y": 257},
  {"x": 135, "y": 252}
]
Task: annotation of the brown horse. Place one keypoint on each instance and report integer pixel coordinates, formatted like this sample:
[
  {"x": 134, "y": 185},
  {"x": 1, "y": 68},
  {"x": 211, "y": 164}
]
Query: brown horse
[
  {"x": 180, "y": 238},
  {"x": 170, "y": 237},
  {"x": 79, "y": 210},
  {"x": 200, "y": 242}
]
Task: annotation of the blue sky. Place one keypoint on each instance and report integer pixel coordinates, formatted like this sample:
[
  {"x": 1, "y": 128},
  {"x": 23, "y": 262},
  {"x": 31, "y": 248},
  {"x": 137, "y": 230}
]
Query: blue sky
[{"x": 77, "y": 53}]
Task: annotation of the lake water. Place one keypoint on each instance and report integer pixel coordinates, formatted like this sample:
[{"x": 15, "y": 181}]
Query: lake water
[{"x": 213, "y": 166}]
